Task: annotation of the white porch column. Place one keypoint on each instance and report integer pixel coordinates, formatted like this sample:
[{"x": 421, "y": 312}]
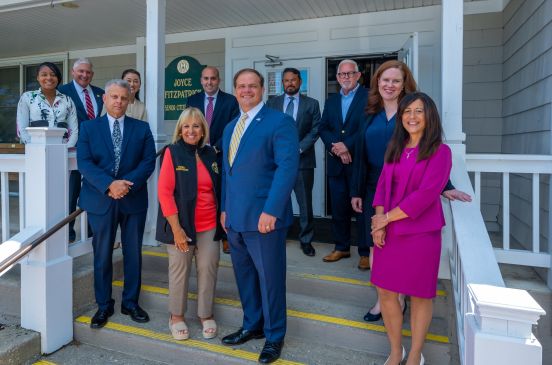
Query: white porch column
[
  {"x": 452, "y": 66},
  {"x": 47, "y": 272},
  {"x": 499, "y": 331},
  {"x": 155, "y": 98}
]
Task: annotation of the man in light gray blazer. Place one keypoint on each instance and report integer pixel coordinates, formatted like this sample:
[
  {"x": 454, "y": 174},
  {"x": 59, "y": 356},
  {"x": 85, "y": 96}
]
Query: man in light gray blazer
[{"x": 306, "y": 113}]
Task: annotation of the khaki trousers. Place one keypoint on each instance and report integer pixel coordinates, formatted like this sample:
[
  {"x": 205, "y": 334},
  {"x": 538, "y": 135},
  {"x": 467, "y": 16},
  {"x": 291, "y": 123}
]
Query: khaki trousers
[{"x": 207, "y": 254}]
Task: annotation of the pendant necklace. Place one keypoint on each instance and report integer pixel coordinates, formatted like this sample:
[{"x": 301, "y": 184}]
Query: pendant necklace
[{"x": 408, "y": 153}]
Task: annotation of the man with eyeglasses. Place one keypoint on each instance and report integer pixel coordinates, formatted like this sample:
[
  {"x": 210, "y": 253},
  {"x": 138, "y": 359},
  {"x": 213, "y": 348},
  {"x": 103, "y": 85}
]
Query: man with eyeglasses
[{"x": 342, "y": 117}]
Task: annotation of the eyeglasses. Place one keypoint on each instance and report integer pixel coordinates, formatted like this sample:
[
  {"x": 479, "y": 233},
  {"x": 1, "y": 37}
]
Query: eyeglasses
[
  {"x": 417, "y": 111},
  {"x": 347, "y": 75}
]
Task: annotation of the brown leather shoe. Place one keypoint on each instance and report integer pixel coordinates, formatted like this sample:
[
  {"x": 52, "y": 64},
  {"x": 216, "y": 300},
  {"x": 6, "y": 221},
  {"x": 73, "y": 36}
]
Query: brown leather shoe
[
  {"x": 225, "y": 246},
  {"x": 364, "y": 263},
  {"x": 336, "y": 256}
]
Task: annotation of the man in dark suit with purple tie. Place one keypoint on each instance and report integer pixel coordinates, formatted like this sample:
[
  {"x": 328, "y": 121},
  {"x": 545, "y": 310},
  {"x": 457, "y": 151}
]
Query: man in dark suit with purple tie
[{"x": 219, "y": 109}]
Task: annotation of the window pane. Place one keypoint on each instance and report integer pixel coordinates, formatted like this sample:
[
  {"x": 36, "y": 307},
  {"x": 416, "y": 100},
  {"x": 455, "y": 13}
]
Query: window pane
[{"x": 9, "y": 97}]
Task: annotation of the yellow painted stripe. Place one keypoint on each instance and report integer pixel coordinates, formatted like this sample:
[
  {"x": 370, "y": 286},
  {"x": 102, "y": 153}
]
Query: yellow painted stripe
[
  {"x": 335, "y": 279},
  {"x": 203, "y": 345},
  {"x": 44, "y": 362},
  {"x": 298, "y": 314}
]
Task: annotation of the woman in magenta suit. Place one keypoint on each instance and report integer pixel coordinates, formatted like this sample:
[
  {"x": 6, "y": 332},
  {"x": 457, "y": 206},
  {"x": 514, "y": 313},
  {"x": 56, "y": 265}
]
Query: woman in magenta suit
[{"x": 406, "y": 228}]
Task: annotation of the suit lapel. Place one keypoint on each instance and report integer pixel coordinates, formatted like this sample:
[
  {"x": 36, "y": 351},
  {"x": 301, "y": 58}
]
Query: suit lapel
[
  {"x": 106, "y": 133},
  {"x": 76, "y": 98},
  {"x": 127, "y": 134},
  {"x": 99, "y": 101},
  {"x": 249, "y": 131},
  {"x": 300, "y": 110},
  {"x": 218, "y": 106},
  {"x": 405, "y": 179},
  {"x": 356, "y": 100}
]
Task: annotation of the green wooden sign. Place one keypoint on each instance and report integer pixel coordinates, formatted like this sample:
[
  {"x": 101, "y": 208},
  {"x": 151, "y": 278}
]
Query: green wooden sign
[{"x": 182, "y": 80}]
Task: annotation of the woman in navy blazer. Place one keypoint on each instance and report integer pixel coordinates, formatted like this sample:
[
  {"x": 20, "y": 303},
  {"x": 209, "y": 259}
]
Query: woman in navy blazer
[{"x": 406, "y": 228}]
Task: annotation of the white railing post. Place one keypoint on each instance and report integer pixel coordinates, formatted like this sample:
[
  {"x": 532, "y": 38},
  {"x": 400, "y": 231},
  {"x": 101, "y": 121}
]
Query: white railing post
[
  {"x": 499, "y": 328},
  {"x": 46, "y": 274}
]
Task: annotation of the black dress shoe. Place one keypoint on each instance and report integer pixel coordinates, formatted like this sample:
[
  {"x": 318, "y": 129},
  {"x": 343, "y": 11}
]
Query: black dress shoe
[
  {"x": 271, "y": 352},
  {"x": 100, "y": 318},
  {"x": 369, "y": 317},
  {"x": 137, "y": 314},
  {"x": 307, "y": 249},
  {"x": 242, "y": 336}
]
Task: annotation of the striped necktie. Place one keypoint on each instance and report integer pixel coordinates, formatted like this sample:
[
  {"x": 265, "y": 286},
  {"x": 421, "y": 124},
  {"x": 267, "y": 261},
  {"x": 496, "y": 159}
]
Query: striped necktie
[
  {"x": 236, "y": 138},
  {"x": 89, "y": 107}
]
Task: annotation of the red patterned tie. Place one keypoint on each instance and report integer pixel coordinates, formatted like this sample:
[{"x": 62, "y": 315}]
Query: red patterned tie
[
  {"x": 209, "y": 111},
  {"x": 89, "y": 106}
]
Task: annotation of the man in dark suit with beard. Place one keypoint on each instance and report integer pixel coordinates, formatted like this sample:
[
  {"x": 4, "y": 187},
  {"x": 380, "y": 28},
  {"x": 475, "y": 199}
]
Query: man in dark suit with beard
[
  {"x": 219, "y": 109},
  {"x": 306, "y": 113}
]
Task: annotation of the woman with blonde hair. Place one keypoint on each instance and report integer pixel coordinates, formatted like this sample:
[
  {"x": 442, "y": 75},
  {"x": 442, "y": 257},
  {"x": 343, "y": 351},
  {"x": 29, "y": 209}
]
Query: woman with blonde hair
[{"x": 188, "y": 221}]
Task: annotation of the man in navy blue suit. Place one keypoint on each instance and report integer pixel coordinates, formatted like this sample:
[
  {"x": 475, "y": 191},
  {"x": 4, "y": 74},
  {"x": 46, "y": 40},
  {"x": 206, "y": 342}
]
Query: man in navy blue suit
[
  {"x": 89, "y": 104},
  {"x": 260, "y": 164},
  {"x": 116, "y": 156},
  {"x": 342, "y": 117},
  {"x": 219, "y": 109}
]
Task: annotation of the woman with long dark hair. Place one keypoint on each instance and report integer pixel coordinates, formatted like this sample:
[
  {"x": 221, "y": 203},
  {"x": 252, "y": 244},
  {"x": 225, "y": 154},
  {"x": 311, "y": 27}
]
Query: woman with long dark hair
[{"x": 406, "y": 228}]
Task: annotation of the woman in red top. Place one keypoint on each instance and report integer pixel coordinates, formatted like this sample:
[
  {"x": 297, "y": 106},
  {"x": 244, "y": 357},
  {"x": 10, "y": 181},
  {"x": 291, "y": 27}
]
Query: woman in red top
[{"x": 188, "y": 220}]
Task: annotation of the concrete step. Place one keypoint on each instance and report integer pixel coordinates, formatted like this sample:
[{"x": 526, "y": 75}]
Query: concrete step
[
  {"x": 324, "y": 281},
  {"x": 83, "y": 354},
  {"x": 153, "y": 341},
  {"x": 17, "y": 345},
  {"x": 319, "y": 321}
]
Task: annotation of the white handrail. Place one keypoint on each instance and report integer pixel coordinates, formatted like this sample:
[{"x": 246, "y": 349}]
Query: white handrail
[{"x": 474, "y": 270}]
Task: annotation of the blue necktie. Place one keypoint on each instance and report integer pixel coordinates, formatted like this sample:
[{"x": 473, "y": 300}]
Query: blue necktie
[
  {"x": 289, "y": 108},
  {"x": 117, "y": 139}
]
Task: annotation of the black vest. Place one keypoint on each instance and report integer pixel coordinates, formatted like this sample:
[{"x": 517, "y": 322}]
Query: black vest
[{"x": 185, "y": 190}]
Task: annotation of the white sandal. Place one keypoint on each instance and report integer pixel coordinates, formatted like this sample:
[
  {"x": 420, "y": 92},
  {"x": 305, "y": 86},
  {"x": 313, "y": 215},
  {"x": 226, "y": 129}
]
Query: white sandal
[
  {"x": 209, "y": 324},
  {"x": 179, "y": 330}
]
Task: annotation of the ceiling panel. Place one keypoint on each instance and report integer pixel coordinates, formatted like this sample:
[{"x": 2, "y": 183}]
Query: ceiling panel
[{"x": 105, "y": 23}]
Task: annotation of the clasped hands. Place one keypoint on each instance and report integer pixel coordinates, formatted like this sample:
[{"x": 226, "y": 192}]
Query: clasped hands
[
  {"x": 119, "y": 188},
  {"x": 379, "y": 222},
  {"x": 339, "y": 149}
]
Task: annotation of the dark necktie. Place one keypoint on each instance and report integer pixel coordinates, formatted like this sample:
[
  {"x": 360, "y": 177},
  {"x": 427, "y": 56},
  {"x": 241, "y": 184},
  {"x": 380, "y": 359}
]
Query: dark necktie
[
  {"x": 89, "y": 106},
  {"x": 209, "y": 110},
  {"x": 117, "y": 139},
  {"x": 290, "y": 107}
]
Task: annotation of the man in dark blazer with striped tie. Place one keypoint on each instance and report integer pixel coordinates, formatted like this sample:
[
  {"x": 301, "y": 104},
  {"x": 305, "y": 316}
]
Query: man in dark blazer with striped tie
[
  {"x": 306, "y": 113},
  {"x": 89, "y": 104},
  {"x": 116, "y": 156},
  {"x": 260, "y": 163}
]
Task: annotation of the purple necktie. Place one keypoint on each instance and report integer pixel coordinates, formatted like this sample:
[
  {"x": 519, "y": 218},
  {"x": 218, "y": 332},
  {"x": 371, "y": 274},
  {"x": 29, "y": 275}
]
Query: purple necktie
[{"x": 209, "y": 111}]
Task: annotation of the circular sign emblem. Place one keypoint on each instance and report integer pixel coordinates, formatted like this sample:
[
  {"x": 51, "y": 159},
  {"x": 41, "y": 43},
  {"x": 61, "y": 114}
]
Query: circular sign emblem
[{"x": 183, "y": 66}]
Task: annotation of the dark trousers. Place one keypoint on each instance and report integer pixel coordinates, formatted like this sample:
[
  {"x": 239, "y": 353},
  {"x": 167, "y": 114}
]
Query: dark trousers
[
  {"x": 74, "y": 191},
  {"x": 342, "y": 212},
  {"x": 303, "y": 193},
  {"x": 132, "y": 232},
  {"x": 259, "y": 262}
]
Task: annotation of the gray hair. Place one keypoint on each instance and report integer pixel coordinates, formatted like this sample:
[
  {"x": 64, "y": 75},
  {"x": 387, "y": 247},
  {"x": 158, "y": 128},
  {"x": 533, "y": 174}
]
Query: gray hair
[
  {"x": 82, "y": 61},
  {"x": 117, "y": 82},
  {"x": 345, "y": 61}
]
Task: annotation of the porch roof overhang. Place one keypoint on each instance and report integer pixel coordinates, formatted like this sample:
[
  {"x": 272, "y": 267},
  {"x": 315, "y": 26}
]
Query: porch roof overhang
[{"x": 32, "y": 27}]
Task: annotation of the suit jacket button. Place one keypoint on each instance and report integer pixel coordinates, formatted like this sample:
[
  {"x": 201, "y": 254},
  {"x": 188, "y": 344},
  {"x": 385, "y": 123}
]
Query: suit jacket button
[{"x": 343, "y": 131}]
